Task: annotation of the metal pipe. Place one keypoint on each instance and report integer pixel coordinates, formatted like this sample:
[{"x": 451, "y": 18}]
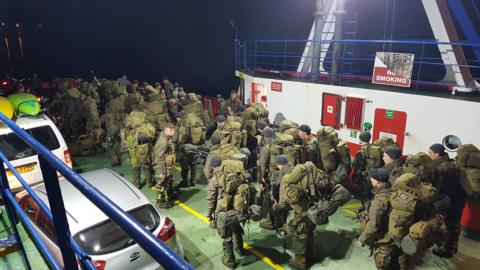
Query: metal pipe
[
  {"x": 161, "y": 252},
  {"x": 338, "y": 46},
  {"x": 317, "y": 37}
]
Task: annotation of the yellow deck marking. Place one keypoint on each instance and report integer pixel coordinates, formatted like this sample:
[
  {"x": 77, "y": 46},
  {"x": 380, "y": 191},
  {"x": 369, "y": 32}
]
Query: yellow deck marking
[
  {"x": 247, "y": 247},
  {"x": 349, "y": 212},
  {"x": 354, "y": 205}
]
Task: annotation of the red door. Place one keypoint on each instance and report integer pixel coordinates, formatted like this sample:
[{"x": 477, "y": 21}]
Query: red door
[
  {"x": 390, "y": 123},
  {"x": 331, "y": 110}
]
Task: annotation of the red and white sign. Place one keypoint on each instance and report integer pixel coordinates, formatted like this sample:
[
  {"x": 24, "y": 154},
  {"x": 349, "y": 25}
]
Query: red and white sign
[
  {"x": 393, "y": 69},
  {"x": 277, "y": 86}
]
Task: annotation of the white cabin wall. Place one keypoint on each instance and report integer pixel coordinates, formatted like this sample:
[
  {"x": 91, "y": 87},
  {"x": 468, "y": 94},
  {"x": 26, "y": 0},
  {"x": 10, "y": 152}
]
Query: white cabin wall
[{"x": 429, "y": 119}]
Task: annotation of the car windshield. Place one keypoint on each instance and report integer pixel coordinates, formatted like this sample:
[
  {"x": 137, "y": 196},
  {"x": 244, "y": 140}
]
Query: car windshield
[
  {"x": 108, "y": 237},
  {"x": 14, "y": 148}
]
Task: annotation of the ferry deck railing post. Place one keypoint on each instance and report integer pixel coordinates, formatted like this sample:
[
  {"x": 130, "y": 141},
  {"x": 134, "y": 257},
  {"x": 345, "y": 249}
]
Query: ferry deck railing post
[
  {"x": 59, "y": 215},
  {"x": 11, "y": 211}
]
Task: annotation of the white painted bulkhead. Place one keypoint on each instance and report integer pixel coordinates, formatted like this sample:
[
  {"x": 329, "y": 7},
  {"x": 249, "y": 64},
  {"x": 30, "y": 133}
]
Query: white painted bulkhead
[{"x": 429, "y": 119}]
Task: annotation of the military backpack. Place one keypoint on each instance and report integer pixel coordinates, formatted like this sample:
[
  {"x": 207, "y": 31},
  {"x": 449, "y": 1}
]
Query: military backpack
[
  {"x": 284, "y": 144},
  {"x": 232, "y": 133},
  {"x": 191, "y": 129},
  {"x": 327, "y": 144},
  {"x": 374, "y": 152},
  {"x": 423, "y": 166},
  {"x": 409, "y": 198},
  {"x": 468, "y": 161}
]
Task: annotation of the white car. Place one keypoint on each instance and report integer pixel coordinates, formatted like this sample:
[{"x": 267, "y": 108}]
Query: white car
[
  {"x": 23, "y": 157},
  {"x": 107, "y": 244}
]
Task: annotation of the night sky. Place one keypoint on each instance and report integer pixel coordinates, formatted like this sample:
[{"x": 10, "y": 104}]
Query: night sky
[{"x": 190, "y": 41}]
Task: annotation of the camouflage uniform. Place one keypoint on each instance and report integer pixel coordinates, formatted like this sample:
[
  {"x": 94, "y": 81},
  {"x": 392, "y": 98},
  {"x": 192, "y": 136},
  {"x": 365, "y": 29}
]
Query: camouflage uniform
[
  {"x": 140, "y": 152},
  {"x": 236, "y": 105},
  {"x": 395, "y": 170},
  {"x": 164, "y": 160},
  {"x": 361, "y": 175},
  {"x": 187, "y": 165},
  {"x": 377, "y": 227},
  {"x": 111, "y": 122},
  {"x": 233, "y": 235},
  {"x": 300, "y": 228},
  {"x": 450, "y": 186},
  {"x": 309, "y": 151}
]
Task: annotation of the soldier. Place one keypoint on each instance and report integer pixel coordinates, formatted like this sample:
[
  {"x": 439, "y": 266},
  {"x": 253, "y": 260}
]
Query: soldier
[
  {"x": 449, "y": 184},
  {"x": 140, "y": 141},
  {"x": 300, "y": 227},
  {"x": 215, "y": 144},
  {"x": 228, "y": 218},
  {"x": 271, "y": 188},
  {"x": 173, "y": 109},
  {"x": 393, "y": 162},
  {"x": 360, "y": 175},
  {"x": 213, "y": 125},
  {"x": 264, "y": 155},
  {"x": 234, "y": 105},
  {"x": 110, "y": 121},
  {"x": 124, "y": 81},
  {"x": 164, "y": 160},
  {"x": 377, "y": 220},
  {"x": 309, "y": 150},
  {"x": 187, "y": 165}
]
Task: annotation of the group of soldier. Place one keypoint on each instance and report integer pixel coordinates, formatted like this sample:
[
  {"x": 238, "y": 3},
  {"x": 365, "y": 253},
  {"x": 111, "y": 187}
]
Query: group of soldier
[{"x": 406, "y": 198}]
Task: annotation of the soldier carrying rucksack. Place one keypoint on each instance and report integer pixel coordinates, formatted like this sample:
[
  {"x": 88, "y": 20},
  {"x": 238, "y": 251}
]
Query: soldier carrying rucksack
[
  {"x": 229, "y": 197},
  {"x": 313, "y": 197},
  {"x": 140, "y": 136}
]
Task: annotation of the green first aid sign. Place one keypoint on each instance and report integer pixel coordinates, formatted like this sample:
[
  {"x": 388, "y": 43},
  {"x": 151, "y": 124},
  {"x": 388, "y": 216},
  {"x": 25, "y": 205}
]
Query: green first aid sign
[
  {"x": 353, "y": 134},
  {"x": 389, "y": 114}
]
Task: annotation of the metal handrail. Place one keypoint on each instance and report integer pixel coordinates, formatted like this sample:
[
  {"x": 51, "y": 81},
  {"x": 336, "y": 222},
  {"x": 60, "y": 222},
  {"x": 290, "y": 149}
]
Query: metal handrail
[
  {"x": 50, "y": 164},
  {"x": 284, "y": 57}
]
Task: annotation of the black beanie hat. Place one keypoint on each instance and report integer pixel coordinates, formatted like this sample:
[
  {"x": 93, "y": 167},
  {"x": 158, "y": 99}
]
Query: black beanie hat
[
  {"x": 215, "y": 140},
  {"x": 306, "y": 129},
  {"x": 438, "y": 149},
  {"x": 365, "y": 136},
  {"x": 269, "y": 133},
  {"x": 281, "y": 160},
  {"x": 380, "y": 174},
  {"x": 261, "y": 125},
  {"x": 393, "y": 152},
  {"x": 215, "y": 162}
]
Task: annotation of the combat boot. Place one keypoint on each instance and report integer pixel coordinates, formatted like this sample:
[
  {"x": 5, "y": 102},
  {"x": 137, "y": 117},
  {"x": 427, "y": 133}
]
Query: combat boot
[
  {"x": 442, "y": 252},
  {"x": 298, "y": 262},
  {"x": 184, "y": 183},
  {"x": 228, "y": 258}
]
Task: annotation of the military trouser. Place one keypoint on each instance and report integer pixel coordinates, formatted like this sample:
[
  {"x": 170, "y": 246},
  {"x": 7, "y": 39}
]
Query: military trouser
[
  {"x": 116, "y": 154},
  {"x": 452, "y": 222},
  {"x": 232, "y": 239},
  {"x": 386, "y": 256},
  {"x": 164, "y": 190},
  {"x": 187, "y": 164},
  {"x": 137, "y": 179},
  {"x": 301, "y": 229}
]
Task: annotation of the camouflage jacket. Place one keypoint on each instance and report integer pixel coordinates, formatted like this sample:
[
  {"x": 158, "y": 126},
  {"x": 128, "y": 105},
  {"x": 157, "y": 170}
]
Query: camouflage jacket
[
  {"x": 309, "y": 151},
  {"x": 235, "y": 105},
  {"x": 395, "y": 170},
  {"x": 164, "y": 150},
  {"x": 377, "y": 223},
  {"x": 449, "y": 183}
]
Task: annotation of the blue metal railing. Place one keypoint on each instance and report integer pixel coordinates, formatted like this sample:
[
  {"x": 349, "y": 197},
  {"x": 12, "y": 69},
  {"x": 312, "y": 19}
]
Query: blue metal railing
[
  {"x": 70, "y": 250},
  {"x": 284, "y": 57}
]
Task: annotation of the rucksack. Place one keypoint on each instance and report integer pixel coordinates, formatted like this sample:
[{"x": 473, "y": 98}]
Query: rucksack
[
  {"x": 340, "y": 175},
  {"x": 327, "y": 143},
  {"x": 409, "y": 197},
  {"x": 140, "y": 151},
  {"x": 468, "y": 161},
  {"x": 232, "y": 133},
  {"x": 236, "y": 188},
  {"x": 289, "y": 127},
  {"x": 284, "y": 144},
  {"x": 423, "y": 166},
  {"x": 308, "y": 184},
  {"x": 191, "y": 129},
  {"x": 374, "y": 152},
  {"x": 262, "y": 112},
  {"x": 250, "y": 118},
  {"x": 135, "y": 119}
]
